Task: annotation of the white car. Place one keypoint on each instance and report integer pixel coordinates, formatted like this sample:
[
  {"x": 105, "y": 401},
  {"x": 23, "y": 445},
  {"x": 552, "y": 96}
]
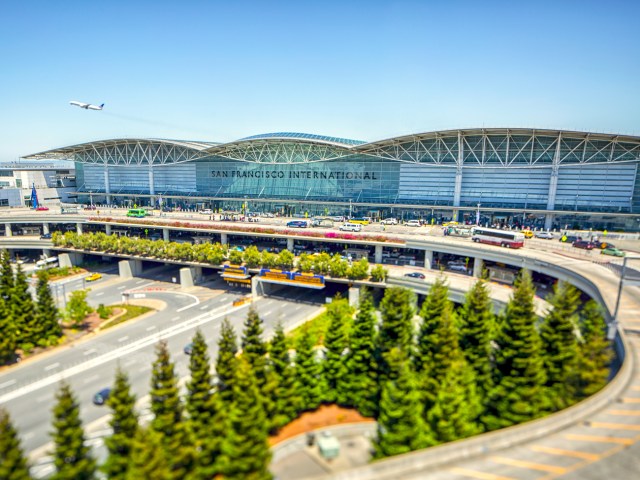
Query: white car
[
  {"x": 351, "y": 227},
  {"x": 545, "y": 235},
  {"x": 413, "y": 223},
  {"x": 389, "y": 221},
  {"x": 456, "y": 267},
  {"x": 206, "y": 211}
]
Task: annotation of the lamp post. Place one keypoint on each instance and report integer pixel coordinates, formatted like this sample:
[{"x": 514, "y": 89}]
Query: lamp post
[
  {"x": 478, "y": 215},
  {"x": 613, "y": 326}
]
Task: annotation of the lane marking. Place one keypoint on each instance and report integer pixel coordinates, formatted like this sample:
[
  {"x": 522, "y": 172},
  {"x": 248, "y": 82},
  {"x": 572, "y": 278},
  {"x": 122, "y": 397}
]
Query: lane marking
[
  {"x": 628, "y": 413},
  {"x": 90, "y": 351},
  {"x": 630, "y": 400},
  {"x": 152, "y": 327},
  {"x": 566, "y": 453},
  {"x": 615, "y": 426},
  {"x": 52, "y": 366},
  {"x": 175, "y": 319},
  {"x": 266, "y": 314},
  {"x": 7, "y": 384},
  {"x": 529, "y": 465},
  {"x": 121, "y": 287},
  {"x": 139, "y": 282},
  {"x": 122, "y": 339},
  {"x": 99, "y": 294},
  {"x": 204, "y": 307},
  {"x": 597, "y": 439},
  {"x": 476, "y": 474}
]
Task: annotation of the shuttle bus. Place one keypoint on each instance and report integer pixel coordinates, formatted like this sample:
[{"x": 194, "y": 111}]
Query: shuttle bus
[
  {"x": 47, "y": 263},
  {"x": 502, "y": 238},
  {"x": 137, "y": 212}
]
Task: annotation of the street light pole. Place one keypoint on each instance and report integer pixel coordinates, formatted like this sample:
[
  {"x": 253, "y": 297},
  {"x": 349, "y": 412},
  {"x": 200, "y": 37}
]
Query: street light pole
[
  {"x": 478, "y": 215},
  {"x": 613, "y": 326}
]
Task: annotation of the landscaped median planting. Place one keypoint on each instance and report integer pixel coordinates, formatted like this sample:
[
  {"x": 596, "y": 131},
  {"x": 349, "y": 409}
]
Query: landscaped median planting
[{"x": 267, "y": 230}]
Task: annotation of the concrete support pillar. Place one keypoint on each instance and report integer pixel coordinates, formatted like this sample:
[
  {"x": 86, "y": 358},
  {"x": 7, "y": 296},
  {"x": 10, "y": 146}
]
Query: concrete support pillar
[
  {"x": 108, "y": 229},
  {"x": 548, "y": 221},
  {"x": 223, "y": 239},
  {"x": 187, "y": 277},
  {"x": 129, "y": 268},
  {"x": 256, "y": 288},
  {"x": 165, "y": 234},
  {"x": 377, "y": 256},
  {"x": 46, "y": 252},
  {"x": 354, "y": 296},
  {"x": 478, "y": 264},
  {"x": 428, "y": 258},
  {"x": 7, "y": 230},
  {"x": 45, "y": 228},
  {"x": 290, "y": 244},
  {"x": 152, "y": 187},
  {"x": 70, "y": 259},
  {"x": 107, "y": 185},
  {"x": 79, "y": 228}
]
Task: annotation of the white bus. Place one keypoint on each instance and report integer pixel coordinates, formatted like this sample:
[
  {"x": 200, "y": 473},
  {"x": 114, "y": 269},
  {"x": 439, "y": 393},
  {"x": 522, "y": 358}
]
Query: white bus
[
  {"x": 47, "y": 263},
  {"x": 502, "y": 238}
]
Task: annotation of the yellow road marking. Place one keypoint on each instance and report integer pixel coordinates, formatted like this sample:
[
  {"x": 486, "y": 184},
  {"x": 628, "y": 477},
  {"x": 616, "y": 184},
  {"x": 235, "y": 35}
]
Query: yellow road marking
[
  {"x": 595, "y": 438},
  {"x": 567, "y": 453},
  {"x": 629, "y": 413},
  {"x": 475, "y": 474},
  {"x": 530, "y": 465},
  {"x": 615, "y": 426}
]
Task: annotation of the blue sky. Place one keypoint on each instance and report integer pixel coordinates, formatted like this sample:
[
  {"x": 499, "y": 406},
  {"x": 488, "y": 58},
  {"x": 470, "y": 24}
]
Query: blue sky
[{"x": 220, "y": 71}]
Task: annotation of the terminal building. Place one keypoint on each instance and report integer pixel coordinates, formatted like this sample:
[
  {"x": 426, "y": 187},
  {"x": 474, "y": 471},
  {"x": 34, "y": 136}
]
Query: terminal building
[
  {"x": 544, "y": 178},
  {"x": 55, "y": 183}
]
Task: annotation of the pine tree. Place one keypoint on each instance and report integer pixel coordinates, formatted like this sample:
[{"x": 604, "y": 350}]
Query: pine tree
[
  {"x": 47, "y": 329},
  {"x": 205, "y": 411},
  {"x": 71, "y": 456},
  {"x": 148, "y": 459},
  {"x": 287, "y": 399},
  {"x": 246, "y": 453},
  {"x": 226, "y": 362},
  {"x": 477, "y": 326},
  {"x": 308, "y": 372},
  {"x": 396, "y": 331},
  {"x": 333, "y": 365},
  {"x": 457, "y": 405},
  {"x": 401, "y": 427},
  {"x": 8, "y": 342},
  {"x": 595, "y": 351},
  {"x": 13, "y": 464},
  {"x": 560, "y": 345},
  {"x": 23, "y": 310},
  {"x": 254, "y": 349},
  {"x": 518, "y": 394},
  {"x": 438, "y": 351},
  {"x": 361, "y": 368},
  {"x": 167, "y": 409},
  {"x": 6, "y": 275},
  {"x": 124, "y": 424}
]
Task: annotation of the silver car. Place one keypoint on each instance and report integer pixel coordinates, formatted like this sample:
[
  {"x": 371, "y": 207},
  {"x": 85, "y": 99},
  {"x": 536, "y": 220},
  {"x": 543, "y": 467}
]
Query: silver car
[{"x": 544, "y": 235}]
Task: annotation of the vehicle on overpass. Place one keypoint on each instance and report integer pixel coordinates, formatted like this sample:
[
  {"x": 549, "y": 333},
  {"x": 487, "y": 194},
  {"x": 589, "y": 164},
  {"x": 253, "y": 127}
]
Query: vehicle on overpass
[
  {"x": 503, "y": 238},
  {"x": 297, "y": 224},
  {"x": 612, "y": 251},
  {"x": 47, "y": 263},
  {"x": 137, "y": 212},
  {"x": 351, "y": 227},
  {"x": 544, "y": 235},
  {"x": 360, "y": 220}
]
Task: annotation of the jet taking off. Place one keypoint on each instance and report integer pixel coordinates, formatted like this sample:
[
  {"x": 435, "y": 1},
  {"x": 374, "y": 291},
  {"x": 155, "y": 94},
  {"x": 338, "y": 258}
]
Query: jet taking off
[{"x": 86, "y": 106}]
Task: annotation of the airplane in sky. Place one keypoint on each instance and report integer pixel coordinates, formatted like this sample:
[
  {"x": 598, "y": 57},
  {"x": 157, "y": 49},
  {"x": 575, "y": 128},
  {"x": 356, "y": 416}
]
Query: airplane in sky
[{"x": 86, "y": 106}]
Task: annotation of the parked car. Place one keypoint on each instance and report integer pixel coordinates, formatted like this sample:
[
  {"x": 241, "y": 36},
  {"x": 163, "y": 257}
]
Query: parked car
[
  {"x": 45, "y": 236},
  {"x": 102, "y": 396},
  {"x": 351, "y": 227},
  {"x": 544, "y": 235},
  {"x": 584, "y": 244},
  {"x": 93, "y": 277},
  {"x": 612, "y": 251},
  {"x": 456, "y": 267},
  {"x": 413, "y": 223},
  {"x": 297, "y": 224},
  {"x": 389, "y": 221},
  {"x": 415, "y": 275},
  {"x": 188, "y": 348},
  {"x": 42, "y": 209},
  {"x": 206, "y": 211}
]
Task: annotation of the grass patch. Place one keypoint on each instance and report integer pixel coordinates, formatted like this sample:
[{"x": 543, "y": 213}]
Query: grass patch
[
  {"x": 132, "y": 311},
  {"x": 318, "y": 327}
]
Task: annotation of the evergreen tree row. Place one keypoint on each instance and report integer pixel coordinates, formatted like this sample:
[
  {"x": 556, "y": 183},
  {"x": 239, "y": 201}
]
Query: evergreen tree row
[
  {"x": 24, "y": 323},
  {"x": 430, "y": 377}
]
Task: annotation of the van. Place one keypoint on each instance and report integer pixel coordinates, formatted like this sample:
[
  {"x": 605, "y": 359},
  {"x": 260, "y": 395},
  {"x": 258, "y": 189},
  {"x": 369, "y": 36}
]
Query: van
[
  {"x": 351, "y": 227},
  {"x": 137, "y": 212},
  {"x": 413, "y": 223}
]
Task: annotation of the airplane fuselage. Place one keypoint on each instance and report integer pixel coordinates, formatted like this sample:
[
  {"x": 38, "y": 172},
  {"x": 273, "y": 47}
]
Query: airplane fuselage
[{"x": 86, "y": 106}]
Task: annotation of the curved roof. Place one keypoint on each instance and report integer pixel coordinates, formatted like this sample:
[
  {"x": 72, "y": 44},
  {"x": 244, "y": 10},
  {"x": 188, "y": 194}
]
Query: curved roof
[
  {"x": 303, "y": 136},
  {"x": 470, "y": 147}
]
